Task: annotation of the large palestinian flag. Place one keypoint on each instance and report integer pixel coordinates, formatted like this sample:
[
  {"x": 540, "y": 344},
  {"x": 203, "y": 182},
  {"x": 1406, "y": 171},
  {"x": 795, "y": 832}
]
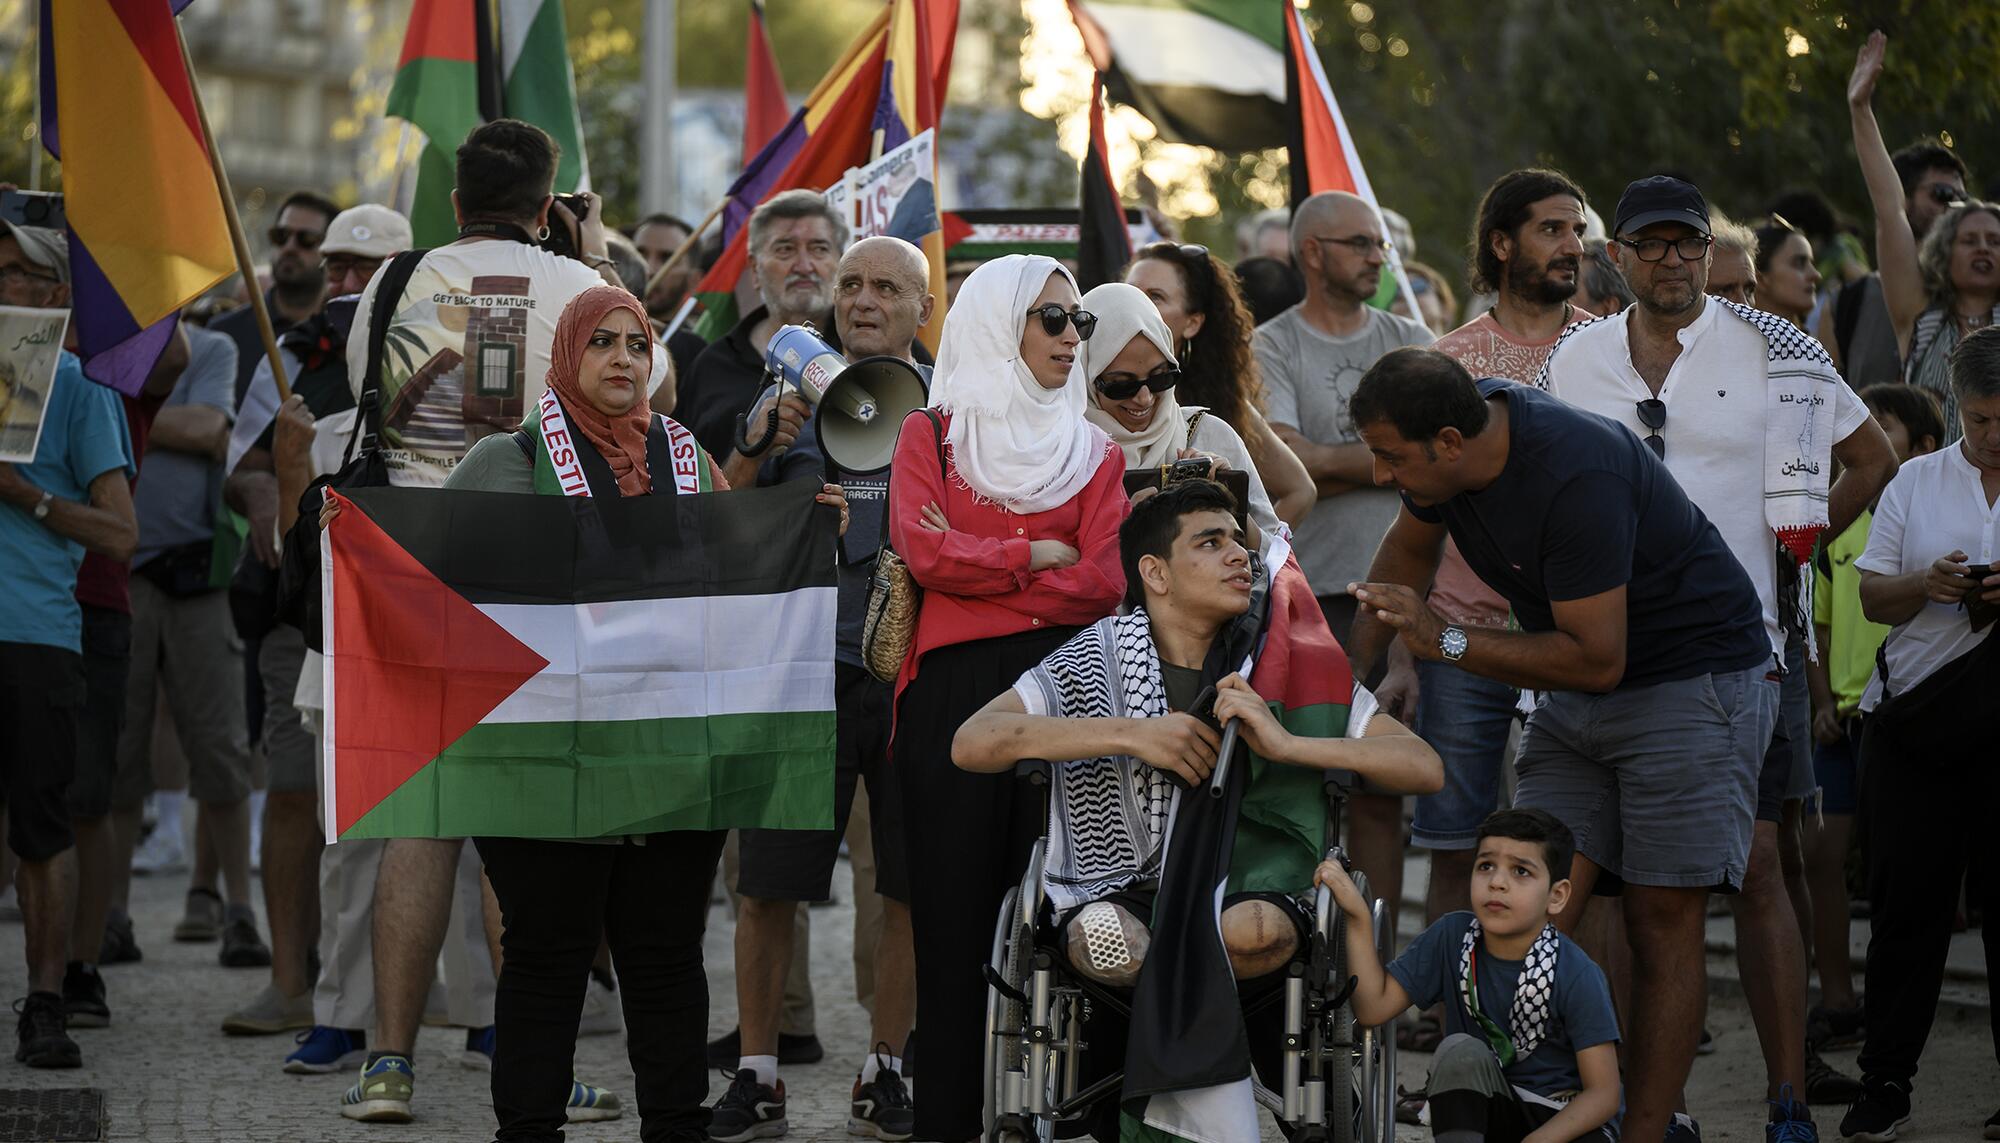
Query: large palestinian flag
[
  {"x": 560, "y": 667},
  {"x": 1207, "y": 72}
]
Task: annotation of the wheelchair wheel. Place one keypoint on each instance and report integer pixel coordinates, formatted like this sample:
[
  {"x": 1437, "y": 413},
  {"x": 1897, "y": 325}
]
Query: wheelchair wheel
[
  {"x": 1343, "y": 1093},
  {"x": 1006, "y": 1050},
  {"x": 1003, "y": 1014}
]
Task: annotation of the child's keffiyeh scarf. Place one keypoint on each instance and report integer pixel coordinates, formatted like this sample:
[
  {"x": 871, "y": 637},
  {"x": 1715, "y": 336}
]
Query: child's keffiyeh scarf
[
  {"x": 1108, "y": 817},
  {"x": 1529, "y": 1016}
]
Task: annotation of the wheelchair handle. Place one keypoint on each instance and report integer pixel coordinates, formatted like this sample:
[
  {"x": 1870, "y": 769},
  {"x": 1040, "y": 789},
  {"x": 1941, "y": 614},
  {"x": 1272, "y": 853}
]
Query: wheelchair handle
[{"x": 1218, "y": 781}]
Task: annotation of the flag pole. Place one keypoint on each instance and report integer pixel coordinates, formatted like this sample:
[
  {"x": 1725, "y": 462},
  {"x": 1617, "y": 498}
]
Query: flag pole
[
  {"x": 682, "y": 251},
  {"x": 396, "y": 172},
  {"x": 244, "y": 265}
]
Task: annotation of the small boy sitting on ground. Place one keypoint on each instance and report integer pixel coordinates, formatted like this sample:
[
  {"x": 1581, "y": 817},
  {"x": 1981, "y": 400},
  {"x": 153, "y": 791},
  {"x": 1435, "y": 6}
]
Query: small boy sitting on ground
[{"x": 1531, "y": 1045}]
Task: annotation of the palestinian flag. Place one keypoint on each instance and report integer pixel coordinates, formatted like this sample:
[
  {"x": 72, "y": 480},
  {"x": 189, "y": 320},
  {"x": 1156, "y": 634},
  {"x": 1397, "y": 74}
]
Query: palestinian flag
[
  {"x": 1321, "y": 148},
  {"x": 1187, "y": 1059},
  {"x": 1104, "y": 246},
  {"x": 1207, "y": 72},
  {"x": 538, "y": 85},
  {"x": 559, "y": 667},
  {"x": 437, "y": 91}
]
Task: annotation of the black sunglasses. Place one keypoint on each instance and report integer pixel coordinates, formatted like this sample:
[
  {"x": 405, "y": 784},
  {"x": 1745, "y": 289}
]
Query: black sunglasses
[
  {"x": 1127, "y": 386},
  {"x": 1947, "y": 194},
  {"x": 1054, "y": 317},
  {"x": 1653, "y": 415},
  {"x": 308, "y": 239}
]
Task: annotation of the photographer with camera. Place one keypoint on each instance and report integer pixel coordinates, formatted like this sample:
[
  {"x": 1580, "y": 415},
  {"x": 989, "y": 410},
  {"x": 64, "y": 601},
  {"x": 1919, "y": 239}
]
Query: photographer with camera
[{"x": 465, "y": 354}]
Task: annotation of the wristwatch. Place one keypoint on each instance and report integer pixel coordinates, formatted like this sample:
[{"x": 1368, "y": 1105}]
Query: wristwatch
[
  {"x": 41, "y": 508},
  {"x": 1452, "y": 644}
]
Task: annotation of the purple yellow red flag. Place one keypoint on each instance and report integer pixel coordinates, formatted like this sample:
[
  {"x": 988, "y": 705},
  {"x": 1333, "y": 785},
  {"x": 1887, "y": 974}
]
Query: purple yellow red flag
[{"x": 147, "y": 232}]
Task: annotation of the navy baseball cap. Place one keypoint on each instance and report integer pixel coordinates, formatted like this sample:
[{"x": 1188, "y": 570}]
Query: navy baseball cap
[{"x": 1660, "y": 198}]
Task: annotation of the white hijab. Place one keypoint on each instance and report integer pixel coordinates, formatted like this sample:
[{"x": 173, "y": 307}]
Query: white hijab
[
  {"x": 1123, "y": 313},
  {"x": 1024, "y": 447}
]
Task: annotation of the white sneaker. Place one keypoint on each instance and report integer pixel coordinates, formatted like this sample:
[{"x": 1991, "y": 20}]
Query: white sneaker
[
  {"x": 160, "y": 854},
  {"x": 602, "y": 1014}
]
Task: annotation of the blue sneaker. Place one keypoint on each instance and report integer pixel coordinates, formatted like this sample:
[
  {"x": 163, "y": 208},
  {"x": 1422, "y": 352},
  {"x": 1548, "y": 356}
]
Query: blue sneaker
[
  {"x": 323, "y": 1049},
  {"x": 478, "y": 1054},
  {"x": 382, "y": 1094},
  {"x": 589, "y": 1103},
  {"x": 1790, "y": 1121}
]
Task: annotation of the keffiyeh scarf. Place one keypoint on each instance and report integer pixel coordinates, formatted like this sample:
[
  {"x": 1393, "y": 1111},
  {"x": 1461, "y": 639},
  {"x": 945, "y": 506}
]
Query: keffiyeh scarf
[
  {"x": 1530, "y": 1015},
  {"x": 1108, "y": 817}
]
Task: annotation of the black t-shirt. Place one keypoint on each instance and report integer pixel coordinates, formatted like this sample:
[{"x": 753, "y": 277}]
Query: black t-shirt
[
  {"x": 1582, "y": 507},
  {"x": 241, "y": 326}
]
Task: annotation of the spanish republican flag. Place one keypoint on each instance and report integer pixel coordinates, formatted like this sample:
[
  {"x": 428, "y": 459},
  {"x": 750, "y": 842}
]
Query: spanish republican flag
[
  {"x": 147, "y": 233},
  {"x": 889, "y": 83}
]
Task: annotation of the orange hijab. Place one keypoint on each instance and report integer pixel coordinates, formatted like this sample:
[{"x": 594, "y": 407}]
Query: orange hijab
[{"x": 620, "y": 440}]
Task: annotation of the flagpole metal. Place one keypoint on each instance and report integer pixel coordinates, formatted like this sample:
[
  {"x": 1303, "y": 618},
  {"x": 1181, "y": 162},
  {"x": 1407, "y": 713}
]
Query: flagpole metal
[
  {"x": 396, "y": 173},
  {"x": 244, "y": 265},
  {"x": 682, "y": 251}
]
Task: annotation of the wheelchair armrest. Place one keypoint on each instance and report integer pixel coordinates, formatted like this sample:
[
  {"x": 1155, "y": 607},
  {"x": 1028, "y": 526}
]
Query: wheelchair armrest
[
  {"x": 1341, "y": 782},
  {"x": 1034, "y": 771}
]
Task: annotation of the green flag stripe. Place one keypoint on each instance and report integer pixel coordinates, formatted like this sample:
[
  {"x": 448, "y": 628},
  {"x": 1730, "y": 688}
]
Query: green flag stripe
[
  {"x": 1281, "y": 829},
  {"x": 584, "y": 779},
  {"x": 538, "y": 85},
  {"x": 440, "y": 98}
]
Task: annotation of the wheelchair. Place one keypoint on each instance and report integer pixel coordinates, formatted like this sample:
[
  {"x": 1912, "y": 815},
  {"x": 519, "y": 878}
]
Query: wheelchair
[{"x": 1338, "y": 1081}]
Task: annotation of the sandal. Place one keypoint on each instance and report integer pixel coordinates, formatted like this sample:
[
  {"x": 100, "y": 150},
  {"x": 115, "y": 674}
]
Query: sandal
[
  {"x": 1423, "y": 1034},
  {"x": 1410, "y": 1105}
]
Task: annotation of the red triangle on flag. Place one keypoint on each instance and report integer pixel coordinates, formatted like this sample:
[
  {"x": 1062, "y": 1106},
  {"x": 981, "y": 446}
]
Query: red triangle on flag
[{"x": 412, "y": 665}]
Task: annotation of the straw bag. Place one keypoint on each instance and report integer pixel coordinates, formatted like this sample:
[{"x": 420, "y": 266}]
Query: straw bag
[{"x": 890, "y": 624}]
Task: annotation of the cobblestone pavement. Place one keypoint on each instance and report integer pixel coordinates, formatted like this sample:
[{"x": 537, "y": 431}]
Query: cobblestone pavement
[{"x": 171, "y": 1076}]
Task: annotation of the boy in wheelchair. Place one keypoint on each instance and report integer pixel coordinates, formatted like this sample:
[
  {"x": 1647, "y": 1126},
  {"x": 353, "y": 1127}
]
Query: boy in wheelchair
[
  {"x": 1531, "y": 1050},
  {"x": 1122, "y": 713}
]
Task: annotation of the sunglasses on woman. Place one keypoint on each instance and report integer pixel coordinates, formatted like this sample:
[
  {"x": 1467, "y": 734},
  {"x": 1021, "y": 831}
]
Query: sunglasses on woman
[
  {"x": 1054, "y": 317},
  {"x": 1124, "y": 386}
]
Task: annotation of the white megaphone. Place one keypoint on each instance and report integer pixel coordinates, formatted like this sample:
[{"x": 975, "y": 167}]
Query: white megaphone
[{"x": 861, "y": 406}]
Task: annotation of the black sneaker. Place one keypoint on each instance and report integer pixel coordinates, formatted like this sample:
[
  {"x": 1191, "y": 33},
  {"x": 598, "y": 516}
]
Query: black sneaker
[
  {"x": 83, "y": 996},
  {"x": 881, "y": 1108},
  {"x": 1706, "y": 1046},
  {"x": 1682, "y": 1128},
  {"x": 748, "y": 1110},
  {"x": 1790, "y": 1120},
  {"x": 1826, "y": 1087},
  {"x": 726, "y": 1049},
  {"x": 1834, "y": 1027},
  {"x": 241, "y": 946},
  {"x": 45, "y": 1041},
  {"x": 1882, "y": 1110},
  {"x": 119, "y": 945}
]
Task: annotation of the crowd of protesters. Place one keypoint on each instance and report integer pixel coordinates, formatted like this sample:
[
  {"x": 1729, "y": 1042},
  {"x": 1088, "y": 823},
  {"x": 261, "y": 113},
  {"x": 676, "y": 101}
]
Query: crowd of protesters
[{"x": 1678, "y": 539}]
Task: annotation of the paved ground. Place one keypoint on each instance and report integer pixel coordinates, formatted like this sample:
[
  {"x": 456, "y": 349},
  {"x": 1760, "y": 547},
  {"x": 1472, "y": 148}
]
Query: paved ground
[{"x": 171, "y": 1077}]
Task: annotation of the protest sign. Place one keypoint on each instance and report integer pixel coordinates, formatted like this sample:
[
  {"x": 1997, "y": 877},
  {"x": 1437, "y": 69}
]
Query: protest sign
[{"x": 30, "y": 342}]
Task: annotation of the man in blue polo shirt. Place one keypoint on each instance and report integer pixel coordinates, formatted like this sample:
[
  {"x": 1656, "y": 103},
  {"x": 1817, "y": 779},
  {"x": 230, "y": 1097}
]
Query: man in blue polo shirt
[
  {"x": 1642, "y": 633},
  {"x": 75, "y": 495}
]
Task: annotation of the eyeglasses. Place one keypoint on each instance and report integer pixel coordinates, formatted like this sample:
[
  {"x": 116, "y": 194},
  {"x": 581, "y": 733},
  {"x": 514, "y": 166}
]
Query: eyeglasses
[
  {"x": 307, "y": 239},
  {"x": 1653, "y": 415},
  {"x": 1690, "y": 248},
  {"x": 1054, "y": 317},
  {"x": 1947, "y": 194},
  {"x": 1124, "y": 386},
  {"x": 1361, "y": 244},
  {"x": 20, "y": 275},
  {"x": 341, "y": 265}
]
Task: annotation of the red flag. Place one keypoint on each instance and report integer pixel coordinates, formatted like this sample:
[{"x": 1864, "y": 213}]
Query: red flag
[
  {"x": 1103, "y": 245},
  {"x": 764, "y": 109}
]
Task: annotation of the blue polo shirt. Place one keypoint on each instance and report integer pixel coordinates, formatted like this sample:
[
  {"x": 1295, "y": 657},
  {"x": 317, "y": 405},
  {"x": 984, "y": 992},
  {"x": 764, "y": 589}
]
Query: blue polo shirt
[
  {"x": 1582, "y": 507},
  {"x": 83, "y": 437}
]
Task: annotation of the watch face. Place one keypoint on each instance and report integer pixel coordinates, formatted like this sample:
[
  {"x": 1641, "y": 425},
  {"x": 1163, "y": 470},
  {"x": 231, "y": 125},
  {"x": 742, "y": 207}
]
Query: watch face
[{"x": 1452, "y": 642}]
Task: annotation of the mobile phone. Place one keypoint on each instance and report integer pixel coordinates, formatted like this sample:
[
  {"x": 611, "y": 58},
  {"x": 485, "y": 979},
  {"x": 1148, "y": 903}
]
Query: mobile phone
[
  {"x": 1193, "y": 468},
  {"x": 33, "y": 208},
  {"x": 1978, "y": 572}
]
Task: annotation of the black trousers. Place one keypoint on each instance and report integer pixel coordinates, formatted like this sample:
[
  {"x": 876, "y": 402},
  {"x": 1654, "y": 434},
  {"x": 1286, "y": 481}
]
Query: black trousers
[
  {"x": 1928, "y": 819},
  {"x": 967, "y": 838},
  {"x": 649, "y": 902}
]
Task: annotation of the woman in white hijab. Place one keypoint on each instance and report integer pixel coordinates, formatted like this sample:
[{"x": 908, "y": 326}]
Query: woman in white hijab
[
  {"x": 1008, "y": 518},
  {"x": 1129, "y": 367}
]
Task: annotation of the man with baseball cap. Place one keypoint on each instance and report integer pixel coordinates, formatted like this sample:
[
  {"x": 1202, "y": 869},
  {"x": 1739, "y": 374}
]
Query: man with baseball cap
[
  {"x": 358, "y": 241},
  {"x": 1731, "y": 399},
  {"x": 74, "y": 496}
]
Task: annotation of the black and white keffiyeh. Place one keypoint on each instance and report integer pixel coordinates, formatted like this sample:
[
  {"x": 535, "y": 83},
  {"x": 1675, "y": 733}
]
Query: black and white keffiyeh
[
  {"x": 1108, "y": 817},
  {"x": 1530, "y": 1016}
]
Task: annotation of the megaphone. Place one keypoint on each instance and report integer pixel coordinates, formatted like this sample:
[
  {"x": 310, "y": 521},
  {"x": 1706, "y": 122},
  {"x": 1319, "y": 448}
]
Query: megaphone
[{"x": 860, "y": 406}]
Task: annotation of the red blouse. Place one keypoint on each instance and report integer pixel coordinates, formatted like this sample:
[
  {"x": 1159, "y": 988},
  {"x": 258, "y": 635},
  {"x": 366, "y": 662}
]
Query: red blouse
[{"x": 975, "y": 577}]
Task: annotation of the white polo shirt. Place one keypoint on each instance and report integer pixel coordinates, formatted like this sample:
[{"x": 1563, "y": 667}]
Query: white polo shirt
[
  {"x": 1717, "y": 403},
  {"x": 1934, "y": 507}
]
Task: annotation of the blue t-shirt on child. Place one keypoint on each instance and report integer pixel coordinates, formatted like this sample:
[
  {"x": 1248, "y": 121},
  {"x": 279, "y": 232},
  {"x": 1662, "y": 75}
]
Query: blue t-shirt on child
[{"x": 1581, "y": 1007}]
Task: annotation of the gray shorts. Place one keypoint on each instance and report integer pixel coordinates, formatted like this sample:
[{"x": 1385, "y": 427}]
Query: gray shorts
[
  {"x": 1658, "y": 783},
  {"x": 186, "y": 648},
  {"x": 292, "y": 754}
]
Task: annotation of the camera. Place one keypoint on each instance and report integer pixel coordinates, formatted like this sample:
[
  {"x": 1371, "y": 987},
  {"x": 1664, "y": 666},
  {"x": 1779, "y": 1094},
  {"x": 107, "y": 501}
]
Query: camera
[
  {"x": 563, "y": 238},
  {"x": 33, "y": 208}
]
